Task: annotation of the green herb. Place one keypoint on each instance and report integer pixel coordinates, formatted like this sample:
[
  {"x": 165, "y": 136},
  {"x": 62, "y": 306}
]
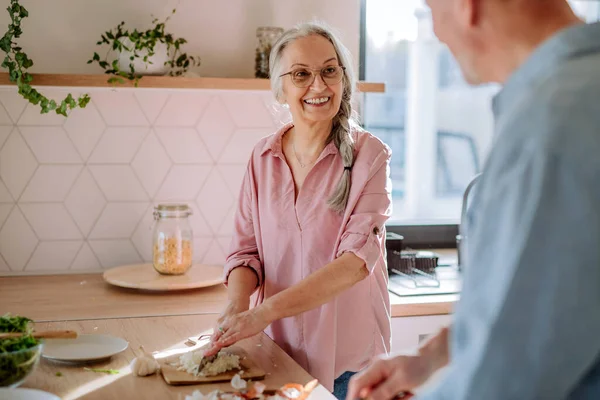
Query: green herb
[
  {"x": 141, "y": 45},
  {"x": 59, "y": 373},
  {"x": 105, "y": 371},
  {"x": 15, "y": 324},
  {"x": 17, "y": 355},
  {"x": 17, "y": 63}
]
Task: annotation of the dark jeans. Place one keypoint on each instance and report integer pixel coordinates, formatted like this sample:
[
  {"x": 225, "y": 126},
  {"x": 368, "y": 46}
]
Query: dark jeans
[{"x": 340, "y": 385}]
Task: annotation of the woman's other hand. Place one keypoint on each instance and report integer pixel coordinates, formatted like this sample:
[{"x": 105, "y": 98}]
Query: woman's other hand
[{"x": 234, "y": 327}]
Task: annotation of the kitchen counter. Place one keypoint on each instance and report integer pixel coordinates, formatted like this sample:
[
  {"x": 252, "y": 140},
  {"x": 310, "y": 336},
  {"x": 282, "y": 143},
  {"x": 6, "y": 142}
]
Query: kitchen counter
[
  {"x": 155, "y": 334},
  {"x": 158, "y": 321},
  {"x": 78, "y": 297},
  {"x": 85, "y": 296}
]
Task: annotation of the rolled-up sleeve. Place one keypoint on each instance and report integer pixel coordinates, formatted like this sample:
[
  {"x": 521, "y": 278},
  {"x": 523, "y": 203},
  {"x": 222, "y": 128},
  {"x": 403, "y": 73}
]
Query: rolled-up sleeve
[
  {"x": 364, "y": 232},
  {"x": 243, "y": 250}
]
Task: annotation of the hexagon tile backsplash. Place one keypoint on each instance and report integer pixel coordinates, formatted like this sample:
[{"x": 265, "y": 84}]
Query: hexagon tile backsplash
[{"x": 77, "y": 193}]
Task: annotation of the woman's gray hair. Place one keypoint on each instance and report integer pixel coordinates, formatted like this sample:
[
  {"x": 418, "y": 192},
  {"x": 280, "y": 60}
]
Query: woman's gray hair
[{"x": 341, "y": 133}]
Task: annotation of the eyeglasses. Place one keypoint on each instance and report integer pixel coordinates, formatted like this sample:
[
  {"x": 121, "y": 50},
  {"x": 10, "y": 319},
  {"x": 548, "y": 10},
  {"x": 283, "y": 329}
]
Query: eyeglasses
[{"x": 304, "y": 77}]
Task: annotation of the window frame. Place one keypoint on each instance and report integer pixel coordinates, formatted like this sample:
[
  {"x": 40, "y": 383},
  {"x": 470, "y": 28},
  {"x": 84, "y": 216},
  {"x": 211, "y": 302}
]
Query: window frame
[{"x": 416, "y": 236}]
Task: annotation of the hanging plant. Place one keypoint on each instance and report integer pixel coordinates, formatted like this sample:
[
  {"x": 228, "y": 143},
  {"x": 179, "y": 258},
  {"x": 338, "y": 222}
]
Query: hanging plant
[
  {"x": 17, "y": 63},
  {"x": 139, "y": 53}
]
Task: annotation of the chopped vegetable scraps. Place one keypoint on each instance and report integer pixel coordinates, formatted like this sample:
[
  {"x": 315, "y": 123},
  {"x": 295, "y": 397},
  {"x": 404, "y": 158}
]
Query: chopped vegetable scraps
[{"x": 105, "y": 371}]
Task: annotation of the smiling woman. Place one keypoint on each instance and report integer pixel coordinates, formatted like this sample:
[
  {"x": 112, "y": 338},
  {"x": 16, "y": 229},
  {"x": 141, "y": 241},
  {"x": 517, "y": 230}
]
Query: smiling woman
[
  {"x": 317, "y": 102},
  {"x": 309, "y": 229}
]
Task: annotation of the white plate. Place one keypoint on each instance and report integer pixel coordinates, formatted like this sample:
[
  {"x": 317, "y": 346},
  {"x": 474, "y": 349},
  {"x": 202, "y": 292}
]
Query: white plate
[
  {"x": 85, "y": 348},
  {"x": 25, "y": 394}
]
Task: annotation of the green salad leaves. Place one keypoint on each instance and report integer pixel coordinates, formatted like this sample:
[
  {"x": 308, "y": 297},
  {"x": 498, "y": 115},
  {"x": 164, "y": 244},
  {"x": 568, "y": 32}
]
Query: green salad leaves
[{"x": 17, "y": 355}]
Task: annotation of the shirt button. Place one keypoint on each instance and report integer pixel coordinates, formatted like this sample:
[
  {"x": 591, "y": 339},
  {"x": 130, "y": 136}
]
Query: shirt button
[{"x": 376, "y": 230}]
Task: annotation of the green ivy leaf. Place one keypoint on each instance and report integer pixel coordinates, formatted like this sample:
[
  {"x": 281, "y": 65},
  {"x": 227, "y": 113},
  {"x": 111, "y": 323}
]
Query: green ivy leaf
[
  {"x": 83, "y": 101},
  {"x": 17, "y": 63},
  {"x": 116, "y": 79}
]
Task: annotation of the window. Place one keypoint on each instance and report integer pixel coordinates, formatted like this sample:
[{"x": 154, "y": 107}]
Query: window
[{"x": 438, "y": 127}]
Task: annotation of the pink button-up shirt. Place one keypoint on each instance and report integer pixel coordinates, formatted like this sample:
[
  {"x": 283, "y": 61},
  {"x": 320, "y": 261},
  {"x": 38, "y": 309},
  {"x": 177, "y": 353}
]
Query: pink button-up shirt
[{"x": 284, "y": 240}]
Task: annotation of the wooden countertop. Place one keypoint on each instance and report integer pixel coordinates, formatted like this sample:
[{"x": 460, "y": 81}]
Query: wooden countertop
[
  {"x": 159, "y": 321},
  {"x": 155, "y": 334},
  {"x": 79, "y": 297},
  {"x": 85, "y": 296},
  {"x": 420, "y": 306}
]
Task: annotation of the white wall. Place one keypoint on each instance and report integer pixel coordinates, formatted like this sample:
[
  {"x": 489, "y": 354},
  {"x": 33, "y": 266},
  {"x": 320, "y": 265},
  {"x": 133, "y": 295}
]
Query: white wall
[{"x": 60, "y": 35}]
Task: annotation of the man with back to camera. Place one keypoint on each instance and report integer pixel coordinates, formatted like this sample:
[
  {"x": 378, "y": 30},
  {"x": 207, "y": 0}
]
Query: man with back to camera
[{"x": 528, "y": 322}]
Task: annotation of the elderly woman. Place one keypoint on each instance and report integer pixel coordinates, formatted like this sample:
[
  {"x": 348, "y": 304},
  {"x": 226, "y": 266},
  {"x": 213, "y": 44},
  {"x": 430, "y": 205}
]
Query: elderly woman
[{"x": 309, "y": 231}]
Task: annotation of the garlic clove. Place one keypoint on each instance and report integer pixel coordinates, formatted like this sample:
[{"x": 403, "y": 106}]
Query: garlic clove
[{"x": 145, "y": 364}]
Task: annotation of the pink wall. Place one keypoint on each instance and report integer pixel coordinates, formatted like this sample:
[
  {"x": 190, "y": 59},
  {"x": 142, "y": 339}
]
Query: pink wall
[{"x": 77, "y": 194}]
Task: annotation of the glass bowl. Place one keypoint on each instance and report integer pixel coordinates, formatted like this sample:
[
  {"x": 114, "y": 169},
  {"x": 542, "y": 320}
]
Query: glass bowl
[{"x": 15, "y": 366}]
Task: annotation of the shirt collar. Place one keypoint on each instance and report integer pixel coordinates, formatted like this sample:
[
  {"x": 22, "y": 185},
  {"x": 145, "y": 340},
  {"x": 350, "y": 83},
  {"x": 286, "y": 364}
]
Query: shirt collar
[
  {"x": 274, "y": 144},
  {"x": 569, "y": 43}
]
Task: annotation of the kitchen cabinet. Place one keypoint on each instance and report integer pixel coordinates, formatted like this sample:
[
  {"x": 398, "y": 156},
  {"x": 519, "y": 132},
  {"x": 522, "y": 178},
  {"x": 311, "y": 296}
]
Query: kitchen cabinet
[{"x": 408, "y": 332}]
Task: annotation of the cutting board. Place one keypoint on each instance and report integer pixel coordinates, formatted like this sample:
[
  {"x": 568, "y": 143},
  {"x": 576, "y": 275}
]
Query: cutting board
[
  {"x": 174, "y": 377},
  {"x": 144, "y": 277}
]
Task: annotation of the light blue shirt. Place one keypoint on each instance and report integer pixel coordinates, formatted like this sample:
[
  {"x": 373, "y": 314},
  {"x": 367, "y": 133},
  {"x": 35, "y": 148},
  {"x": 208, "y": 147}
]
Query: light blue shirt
[{"x": 528, "y": 322}]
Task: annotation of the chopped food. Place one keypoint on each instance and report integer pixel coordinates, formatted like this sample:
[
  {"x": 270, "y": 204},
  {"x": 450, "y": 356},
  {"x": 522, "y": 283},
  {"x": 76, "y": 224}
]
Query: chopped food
[
  {"x": 15, "y": 324},
  {"x": 290, "y": 391},
  {"x": 238, "y": 383},
  {"x": 197, "y": 395},
  {"x": 192, "y": 363},
  {"x": 101, "y": 370},
  {"x": 59, "y": 373}
]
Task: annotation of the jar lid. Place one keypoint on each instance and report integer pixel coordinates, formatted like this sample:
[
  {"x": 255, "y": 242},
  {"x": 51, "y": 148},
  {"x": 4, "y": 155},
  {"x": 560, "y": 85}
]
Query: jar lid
[
  {"x": 172, "y": 207},
  {"x": 172, "y": 210}
]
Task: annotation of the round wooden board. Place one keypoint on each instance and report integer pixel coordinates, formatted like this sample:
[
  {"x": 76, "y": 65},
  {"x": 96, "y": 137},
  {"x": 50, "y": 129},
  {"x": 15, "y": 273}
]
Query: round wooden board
[{"x": 143, "y": 276}]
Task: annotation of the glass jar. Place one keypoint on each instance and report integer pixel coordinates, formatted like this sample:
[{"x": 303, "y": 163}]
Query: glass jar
[
  {"x": 172, "y": 239},
  {"x": 267, "y": 36}
]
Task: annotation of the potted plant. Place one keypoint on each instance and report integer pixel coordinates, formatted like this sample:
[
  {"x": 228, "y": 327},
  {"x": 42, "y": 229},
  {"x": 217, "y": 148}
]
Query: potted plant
[
  {"x": 149, "y": 52},
  {"x": 17, "y": 63}
]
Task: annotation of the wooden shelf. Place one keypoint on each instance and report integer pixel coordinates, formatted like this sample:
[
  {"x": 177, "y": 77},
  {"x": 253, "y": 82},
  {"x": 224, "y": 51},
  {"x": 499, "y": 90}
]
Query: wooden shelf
[{"x": 166, "y": 82}]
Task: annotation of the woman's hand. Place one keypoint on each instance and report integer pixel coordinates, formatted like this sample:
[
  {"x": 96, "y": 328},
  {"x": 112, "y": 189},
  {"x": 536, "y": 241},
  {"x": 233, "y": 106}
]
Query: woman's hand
[
  {"x": 234, "y": 307},
  {"x": 235, "y": 325}
]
